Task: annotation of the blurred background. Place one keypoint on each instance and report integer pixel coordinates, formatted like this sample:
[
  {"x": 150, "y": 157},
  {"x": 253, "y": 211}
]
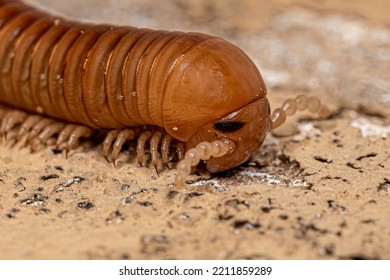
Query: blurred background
[{"x": 337, "y": 49}]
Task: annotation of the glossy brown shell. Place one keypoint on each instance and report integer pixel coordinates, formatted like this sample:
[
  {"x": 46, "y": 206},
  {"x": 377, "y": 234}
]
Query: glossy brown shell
[{"x": 117, "y": 77}]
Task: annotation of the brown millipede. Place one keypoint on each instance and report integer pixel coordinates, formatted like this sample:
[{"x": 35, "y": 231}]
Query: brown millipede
[{"x": 67, "y": 79}]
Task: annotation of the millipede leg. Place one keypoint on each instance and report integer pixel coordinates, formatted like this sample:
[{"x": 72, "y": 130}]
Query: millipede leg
[
  {"x": 46, "y": 133},
  {"x": 64, "y": 134},
  {"x": 122, "y": 136},
  {"x": 107, "y": 143},
  {"x": 154, "y": 142},
  {"x": 142, "y": 139},
  {"x": 38, "y": 127},
  {"x": 10, "y": 120},
  {"x": 180, "y": 150},
  {"x": 300, "y": 103},
  {"x": 28, "y": 123},
  {"x": 79, "y": 131},
  {"x": 165, "y": 147},
  {"x": 50, "y": 130},
  {"x": 3, "y": 111},
  {"x": 70, "y": 134}
]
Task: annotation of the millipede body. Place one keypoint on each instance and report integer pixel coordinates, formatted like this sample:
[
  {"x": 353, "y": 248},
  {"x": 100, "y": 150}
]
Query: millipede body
[{"x": 67, "y": 79}]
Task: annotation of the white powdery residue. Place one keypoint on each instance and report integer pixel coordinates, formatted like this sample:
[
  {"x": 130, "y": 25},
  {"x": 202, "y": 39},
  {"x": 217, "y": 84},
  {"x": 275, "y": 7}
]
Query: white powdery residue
[
  {"x": 268, "y": 178},
  {"x": 350, "y": 31},
  {"x": 275, "y": 78},
  {"x": 385, "y": 98},
  {"x": 379, "y": 84},
  {"x": 306, "y": 130},
  {"x": 380, "y": 35},
  {"x": 299, "y": 183},
  {"x": 367, "y": 128},
  {"x": 297, "y": 17},
  {"x": 213, "y": 182},
  {"x": 353, "y": 33},
  {"x": 325, "y": 66}
]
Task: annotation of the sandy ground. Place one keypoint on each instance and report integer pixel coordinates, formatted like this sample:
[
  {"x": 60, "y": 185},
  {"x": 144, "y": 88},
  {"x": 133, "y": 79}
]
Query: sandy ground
[{"x": 317, "y": 189}]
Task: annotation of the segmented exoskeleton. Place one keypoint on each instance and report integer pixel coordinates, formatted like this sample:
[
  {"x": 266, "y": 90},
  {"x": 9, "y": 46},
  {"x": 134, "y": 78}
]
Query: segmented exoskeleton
[{"x": 65, "y": 78}]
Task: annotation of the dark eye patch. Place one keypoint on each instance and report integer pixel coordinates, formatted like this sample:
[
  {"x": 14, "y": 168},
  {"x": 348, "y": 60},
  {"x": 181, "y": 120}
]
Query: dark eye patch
[{"x": 228, "y": 126}]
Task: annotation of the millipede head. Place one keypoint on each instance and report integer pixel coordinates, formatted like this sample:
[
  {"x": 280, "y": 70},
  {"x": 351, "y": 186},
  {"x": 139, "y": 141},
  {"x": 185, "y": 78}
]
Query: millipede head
[
  {"x": 216, "y": 93},
  {"x": 245, "y": 128}
]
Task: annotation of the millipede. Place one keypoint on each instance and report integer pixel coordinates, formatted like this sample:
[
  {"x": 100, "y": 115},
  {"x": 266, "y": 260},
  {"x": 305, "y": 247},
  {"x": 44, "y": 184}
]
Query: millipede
[{"x": 190, "y": 94}]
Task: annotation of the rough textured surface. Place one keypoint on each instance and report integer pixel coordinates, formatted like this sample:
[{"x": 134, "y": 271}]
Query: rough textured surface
[{"x": 315, "y": 190}]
